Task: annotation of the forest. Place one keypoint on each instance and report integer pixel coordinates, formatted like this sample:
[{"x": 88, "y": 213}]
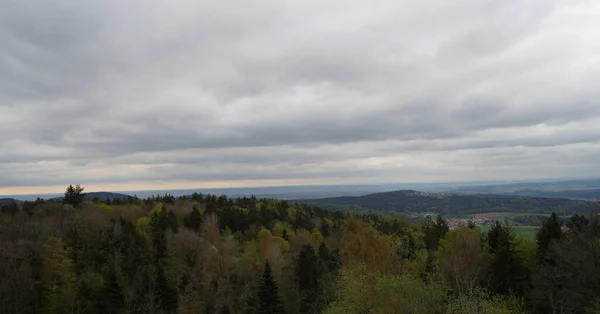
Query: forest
[
  {"x": 410, "y": 202},
  {"x": 213, "y": 254}
]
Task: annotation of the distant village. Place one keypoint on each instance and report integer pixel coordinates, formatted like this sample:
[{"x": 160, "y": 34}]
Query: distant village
[{"x": 458, "y": 223}]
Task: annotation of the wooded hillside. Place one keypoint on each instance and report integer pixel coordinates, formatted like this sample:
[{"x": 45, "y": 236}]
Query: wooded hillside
[{"x": 209, "y": 254}]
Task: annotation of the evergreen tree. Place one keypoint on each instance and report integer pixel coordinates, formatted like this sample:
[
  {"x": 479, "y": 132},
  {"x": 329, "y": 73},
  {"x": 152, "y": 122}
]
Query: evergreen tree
[
  {"x": 172, "y": 222},
  {"x": 158, "y": 227},
  {"x": 308, "y": 272},
  {"x": 549, "y": 232},
  {"x": 166, "y": 295},
  {"x": 193, "y": 220},
  {"x": 112, "y": 294},
  {"x": 508, "y": 270},
  {"x": 74, "y": 195},
  {"x": 268, "y": 297},
  {"x": 433, "y": 231}
]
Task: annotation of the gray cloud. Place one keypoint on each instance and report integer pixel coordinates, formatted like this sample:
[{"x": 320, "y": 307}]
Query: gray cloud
[{"x": 390, "y": 91}]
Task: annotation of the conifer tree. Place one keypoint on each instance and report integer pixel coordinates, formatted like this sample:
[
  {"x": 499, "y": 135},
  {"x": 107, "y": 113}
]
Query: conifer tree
[
  {"x": 112, "y": 294},
  {"x": 549, "y": 232},
  {"x": 268, "y": 296},
  {"x": 193, "y": 220},
  {"x": 308, "y": 272},
  {"x": 508, "y": 270},
  {"x": 74, "y": 195},
  {"x": 166, "y": 295},
  {"x": 172, "y": 222}
]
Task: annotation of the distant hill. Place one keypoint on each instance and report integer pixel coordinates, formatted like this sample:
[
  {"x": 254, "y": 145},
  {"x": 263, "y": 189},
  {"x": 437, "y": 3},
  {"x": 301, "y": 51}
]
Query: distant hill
[
  {"x": 102, "y": 196},
  {"x": 7, "y": 201},
  {"x": 107, "y": 196},
  {"x": 591, "y": 194},
  {"x": 574, "y": 189},
  {"x": 410, "y": 201}
]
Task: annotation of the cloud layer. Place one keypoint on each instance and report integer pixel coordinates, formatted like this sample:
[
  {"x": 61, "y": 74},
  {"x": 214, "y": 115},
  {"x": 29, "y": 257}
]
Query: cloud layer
[{"x": 312, "y": 92}]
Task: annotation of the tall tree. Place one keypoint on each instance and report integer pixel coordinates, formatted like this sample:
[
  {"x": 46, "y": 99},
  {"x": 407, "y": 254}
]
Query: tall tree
[
  {"x": 269, "y": 301},
  {"x": 193, "y": 220},
  {"x": 74, "y": 195},
  {"x": 166, "y": 294},
  {"x": 433, "y": 231},
  {"x": 308, "y": 272},
  {"x": 462, "y": 259},
  {"x": 111, "y": 293},
  {"x": 508, "y": 272},
  {"x": 60, "y": 280},
  {"x": 549, "y": 233}
]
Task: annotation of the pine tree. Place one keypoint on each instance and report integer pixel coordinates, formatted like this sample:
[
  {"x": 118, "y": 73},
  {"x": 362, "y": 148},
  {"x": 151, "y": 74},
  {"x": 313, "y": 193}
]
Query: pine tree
[
  {"x": 549, "y": 232},
  {"x": 433, "y": 231},
  {"x": 508, "y": 270},
  {"x": 74, "y": 195},
  {"x": 308, "y": 271},
  {"x": 172, "y": 222},
  {"x": 193, "y": 220},
  {"x": 166, "y": 295},
  {"x": 112, "y": 294},
  {"x": 268, "y": 297}
]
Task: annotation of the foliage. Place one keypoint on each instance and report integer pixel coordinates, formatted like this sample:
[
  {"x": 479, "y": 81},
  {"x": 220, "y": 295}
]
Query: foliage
[
  {"x": 269, "y": 301},
  {"x": 74, "y": 195},
  {"x": 462, "y": 259},
  {"x": 212, "y": 254},
  {"x": 409, "y": 201}
]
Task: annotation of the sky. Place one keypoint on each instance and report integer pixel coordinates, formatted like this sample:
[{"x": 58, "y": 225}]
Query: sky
[{"x": 131, "y": 95}]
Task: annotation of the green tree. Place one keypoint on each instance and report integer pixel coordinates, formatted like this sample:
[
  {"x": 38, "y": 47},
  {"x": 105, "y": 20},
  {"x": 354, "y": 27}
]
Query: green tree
[
  {"x": 74, "y": 195},
  {"x": 111, "y": 294},
  {"x": 193, "y": 220},
  {"x": 172, "y": 222},
  {"x": 549, "y": 233},
  {"x": 462, "y": 259},
  {"x": 479, "y": 301},
  {"x": 269, "y": 301},
  {"x": 367, "y": 292},
  {"x": 308, "y": 272},
  {"x": 60, "y": 280},
  {"x": 166, "y": 294},
  {"x": 433, "y": 231},
  {"x": 508, "y": 272}
]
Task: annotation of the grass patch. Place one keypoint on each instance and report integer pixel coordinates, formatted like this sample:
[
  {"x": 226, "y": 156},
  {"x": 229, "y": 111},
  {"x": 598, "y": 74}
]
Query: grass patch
[{"x": 524, "y": 232}]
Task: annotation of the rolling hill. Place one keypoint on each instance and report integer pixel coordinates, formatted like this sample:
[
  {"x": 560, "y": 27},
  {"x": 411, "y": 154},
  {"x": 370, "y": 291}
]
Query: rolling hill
[
  {"x": 410, "y": 202},
  {"x": 107, "y": 195},
  {"x": 8, "y": 201}
]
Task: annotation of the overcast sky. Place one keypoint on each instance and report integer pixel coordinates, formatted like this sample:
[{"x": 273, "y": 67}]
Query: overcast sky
[{"x": 126, "y": 95}]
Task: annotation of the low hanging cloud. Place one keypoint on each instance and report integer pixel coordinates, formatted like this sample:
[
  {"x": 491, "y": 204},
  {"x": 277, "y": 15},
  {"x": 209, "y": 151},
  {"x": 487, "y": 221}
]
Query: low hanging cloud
[{"x": 309, "y": 92}]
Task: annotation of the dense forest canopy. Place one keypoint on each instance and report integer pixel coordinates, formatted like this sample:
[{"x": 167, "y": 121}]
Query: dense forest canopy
[{"x": 212, "y": 254}]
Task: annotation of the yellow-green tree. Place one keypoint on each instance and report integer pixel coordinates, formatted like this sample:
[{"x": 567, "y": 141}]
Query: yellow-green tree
[
  {"x": 59, "y": 279},
  {"x": 363, "y": 246},
  {"x": 369, "y": 292},
  {"x": 462, "y": 259}
]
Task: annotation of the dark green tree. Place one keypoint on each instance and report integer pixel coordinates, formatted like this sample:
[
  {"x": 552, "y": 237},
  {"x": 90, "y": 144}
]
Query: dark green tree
[
  {"x": 549, "y": 233},
  {"x": 111, "y": 294},
  {"x": 269, "y": 301},
  {"x": 433, "y": 231},
  {"x": 193, "y": 220},
  {"x": 508, "y": 272},
  {"x": 158, "y": 228},
  {"x": 308, "y": 272},
  {"x": 74, "y": 195},
  {"x": 172, "y": 222},
  {"x": 166, "y": 294},
  {"x": 11, "y": 208}
]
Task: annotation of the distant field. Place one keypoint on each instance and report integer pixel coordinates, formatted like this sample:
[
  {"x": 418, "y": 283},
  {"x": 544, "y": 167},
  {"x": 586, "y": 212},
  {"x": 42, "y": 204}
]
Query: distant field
[
  {"x": 525, "y": 232},
  {"x": 502, "y": 215}
]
